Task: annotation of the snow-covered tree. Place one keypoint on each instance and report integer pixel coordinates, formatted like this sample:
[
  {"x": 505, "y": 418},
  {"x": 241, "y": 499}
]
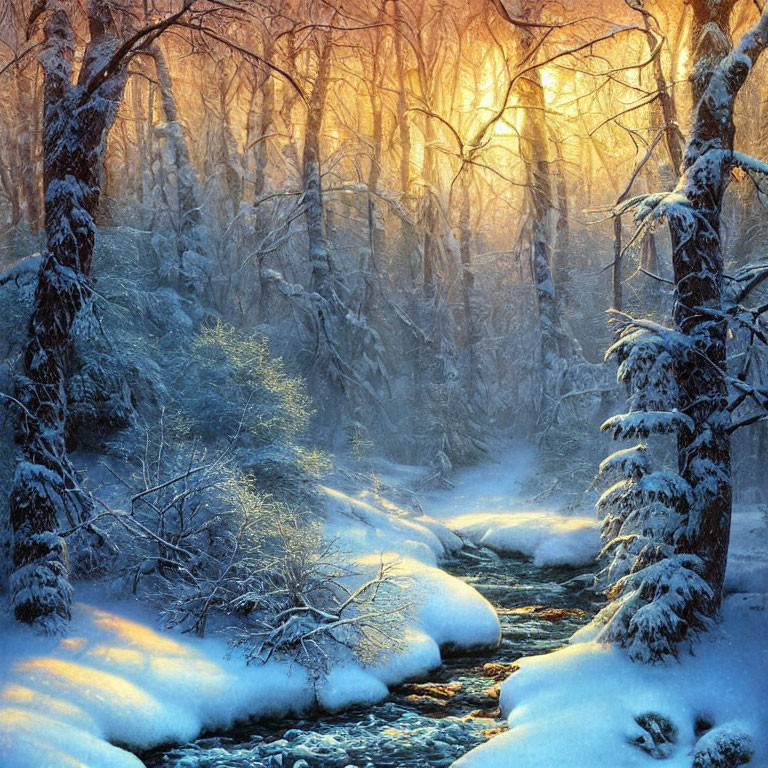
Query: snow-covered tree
[
  {"x": 667, "y": 530},
  {"x": 78, "y": 114}
]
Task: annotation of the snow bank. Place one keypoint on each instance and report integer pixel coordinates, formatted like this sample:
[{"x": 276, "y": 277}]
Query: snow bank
[
  {"x": 349, "y": 684},
  {"x": 453, "y": 614},
  {"x": 114, "y": 679},
  {"x": 747, "y": 569},
  {"x": 486, "y": 508},
  {"x": 586, "y": 700},
  {"x": 360, "y": 527},
  {"x": 544, "y": 536},
  {"x": 586, "y": 704}
]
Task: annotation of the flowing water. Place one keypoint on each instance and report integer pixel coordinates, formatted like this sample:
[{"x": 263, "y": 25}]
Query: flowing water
[{"x": 421, "y": 725}]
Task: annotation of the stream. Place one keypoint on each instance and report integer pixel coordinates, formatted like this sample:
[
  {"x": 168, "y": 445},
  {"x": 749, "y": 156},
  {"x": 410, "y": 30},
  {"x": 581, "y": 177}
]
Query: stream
[{"x": 421, "y": 724}]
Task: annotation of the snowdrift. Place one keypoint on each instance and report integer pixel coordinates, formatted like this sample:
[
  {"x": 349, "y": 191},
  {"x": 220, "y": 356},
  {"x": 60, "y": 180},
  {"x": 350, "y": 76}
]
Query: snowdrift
[
  {"x": 116, "y": 685},
  {"x": 588, "y": 705}
]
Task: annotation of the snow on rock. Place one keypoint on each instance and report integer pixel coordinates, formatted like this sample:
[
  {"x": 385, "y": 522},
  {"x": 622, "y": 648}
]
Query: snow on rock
[{"x": 544, "y": 536}]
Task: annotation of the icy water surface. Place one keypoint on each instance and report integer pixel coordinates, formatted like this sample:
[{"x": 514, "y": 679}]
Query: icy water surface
[{"x": 422, "y": 725}]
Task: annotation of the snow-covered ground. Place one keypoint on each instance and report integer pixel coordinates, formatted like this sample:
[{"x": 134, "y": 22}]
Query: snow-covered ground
[
  {"x": 586, "y": 704},
  {"x": 117, "y": 685},
  {"x": 486, "y": 508},
  {"x": 115, "y": 679}
]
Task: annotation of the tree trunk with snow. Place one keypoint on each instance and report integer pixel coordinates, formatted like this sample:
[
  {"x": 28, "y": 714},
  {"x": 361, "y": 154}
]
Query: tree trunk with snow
[
  {"x": 187, "y": 193},
  {"x": 27, "y": 145},
  {"x": 704, "y": 453},
  {"x": 562, "y": 232},
  {"x": 468, "y": 337},
  {"x": 77, "y": 117},
  {"x": 401, "y": 116},
  {"x": 668, "y": 531},
  {"x": 535, "y": 155},
  {"x": 710, "y": 40}
]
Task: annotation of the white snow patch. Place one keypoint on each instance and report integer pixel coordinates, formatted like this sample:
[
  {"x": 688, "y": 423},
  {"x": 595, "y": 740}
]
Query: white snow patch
[
  {"x": 486, "y": 509},
  {"x": 361, "y": 527},
  {"x": 115, "y": 679},
  {"x": 418, "y": 655},
  {"x": 348, "y": 685},
  {"x": 544, "y": 536},
  {"x": 747, "y": 569},
  {"x": 585, "y": 699},
  {"x": 451, "y": 612}
]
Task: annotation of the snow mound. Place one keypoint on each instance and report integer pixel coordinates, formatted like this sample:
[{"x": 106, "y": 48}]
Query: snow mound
[
  {"x": 446, "y": 612},
  {"x": 545, "y": 537},
  {"x": 114, "y": 679},
  {"x": 346, "y": 685},
  {"x": 361, "y": 527},
  {"x": 590, "y": 700},
  {"x": 418, "y": 655},
  {"x": 452, "y": 613}
]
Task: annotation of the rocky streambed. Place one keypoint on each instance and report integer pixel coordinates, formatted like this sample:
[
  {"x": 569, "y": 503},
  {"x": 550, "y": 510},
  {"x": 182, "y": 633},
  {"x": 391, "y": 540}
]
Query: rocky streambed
[{"x": 426, "y": 724}]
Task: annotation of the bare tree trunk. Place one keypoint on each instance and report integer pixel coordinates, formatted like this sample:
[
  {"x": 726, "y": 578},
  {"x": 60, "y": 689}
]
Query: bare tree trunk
[
  {"x": 228, "y": 146},
  {"x": 562, "y": 233},
  {"x": 319, "y": 253},
  {"x": 28, "y": 106},
  {"x": 377, "y": 241},
  {"x": 534, "y": 151},
  {"x": 143, "y": 156},
  {"x": 403, "y": 126},
  {"x": 288, "y": 103},
  {"x": 616, "y": 277},
  {"x": 11, "y": 191},
  {"x": 665, "y": 102},
  {"x": 650, "y": 257},
  {"x": 188, "y": 214},
  {"x": 265, "y": 125},
  {"x": 266, "y": 120}
]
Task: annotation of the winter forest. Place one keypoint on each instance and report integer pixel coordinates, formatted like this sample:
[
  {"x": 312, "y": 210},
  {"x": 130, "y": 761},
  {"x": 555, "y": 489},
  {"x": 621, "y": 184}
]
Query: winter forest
[{"x": 383, "y": 383}]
